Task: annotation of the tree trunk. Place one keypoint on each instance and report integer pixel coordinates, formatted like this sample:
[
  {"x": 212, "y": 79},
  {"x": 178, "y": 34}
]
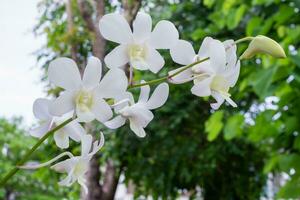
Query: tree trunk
[
  {"x": 131, "y": 8},
  {"x": 9, "y": 195},
  {"x": 70, "y": 27},
  {"x": 85, "y": 11},
  {"x": 111, "y": 180},
  {"x": 99, "y": 43}
]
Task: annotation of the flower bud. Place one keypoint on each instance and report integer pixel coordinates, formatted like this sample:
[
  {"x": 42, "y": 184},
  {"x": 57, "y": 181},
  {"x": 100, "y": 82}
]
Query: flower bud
[{"x": 263, "y": 44}]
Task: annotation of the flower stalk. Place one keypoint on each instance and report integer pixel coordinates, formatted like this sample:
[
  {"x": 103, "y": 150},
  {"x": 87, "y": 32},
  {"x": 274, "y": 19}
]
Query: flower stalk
[
  {"x": 245, "y": 39},
  {"x": 165, "y": 78},
  {"x": 13, "y": 171}
]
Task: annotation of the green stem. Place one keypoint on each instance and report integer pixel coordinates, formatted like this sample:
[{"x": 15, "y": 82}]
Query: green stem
[
  {"x": 159, "y": 80},
  {"x": 244, "y": 39},
  {"x": 28, "y": 154}
]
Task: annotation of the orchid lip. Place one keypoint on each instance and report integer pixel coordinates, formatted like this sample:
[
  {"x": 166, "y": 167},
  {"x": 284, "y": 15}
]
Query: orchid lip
[
  {"x": 120, "y": 102},
  {"x": 80, "y": 168},
  {"x": 124, "y": 113},
  {"x": 84, "y": 100},
  {"x": 137, "y": 52}
]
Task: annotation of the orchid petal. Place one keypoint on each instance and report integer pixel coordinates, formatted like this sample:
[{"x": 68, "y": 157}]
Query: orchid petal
[
  {"x": 63, "y": 72},
  {"x": 204, "y": 48},
  {"x": 98, "y": 145},
  {"x": 68, "y": 181},
  {"x": 233, "y": 76},
  {"x": 84, "y": 115},
  {"x": 154, "y": 60},
  {"x": 64, "y": 166},
  {"x": 41, "y": 109},
  {"x": 41, "y": 130},
  {"x": 202, "y": 88},
  {"x": 136, "y": 128},
  {"x": 139, "y": 64},
  {"x": 182, "y": 77},
  {"x": 101, "y": 110},
  {"x": 115, "y": 122},
  {"x": 86, "y": 144},
  {"x": 74, "y": 130},
  {"x": 92, "y": 73},
  {"x": 231, "y": 56},
  {"x": 144, "y": 117},
  {"x": 81, "y": 182},
  {"x": 159, "y": 96},
  {"x": 113, "y": 84},
  {"x": 217, "y": 55},
  {"x": 125, "y": 96},
  {"x": 139, "y": 113},
  {"x": 164, "y": 35},
  {"x": 144, "y": 94},
  {"x": 63, "y": 104},
  {"x": 183, "y": 53},
  {"x": 218, "y": 97},
  {"x": 115, "y": 28},
  {"x": 61, "y": 139},
  {"x": 118, "y": 57},
  {"x": 142, "y": 26}
]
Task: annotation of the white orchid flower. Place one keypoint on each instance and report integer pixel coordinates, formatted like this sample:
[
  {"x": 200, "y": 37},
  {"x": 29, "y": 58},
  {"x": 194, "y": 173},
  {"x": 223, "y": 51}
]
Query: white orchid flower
[
  {"x": 75, "y": 166},
  {"x": 137, "y": 47},
  {"x": 214, "y": 76},
  {"x": 72, "y": 130},
  {"x": 85, "y": 96},
  {"x": 139, "y": 114}
]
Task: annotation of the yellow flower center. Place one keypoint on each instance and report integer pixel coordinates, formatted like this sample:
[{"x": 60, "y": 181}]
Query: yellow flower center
[
  {"x": 80, "y": 168},
  {"x": 220, "y": 84},
  {"x": 84, "y": 100},
  {"x": 137, "y": 52}
]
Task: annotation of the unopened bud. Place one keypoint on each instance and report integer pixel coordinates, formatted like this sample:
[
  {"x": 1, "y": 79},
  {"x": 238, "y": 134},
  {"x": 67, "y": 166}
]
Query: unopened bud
[{"x": 263, "y": 44}]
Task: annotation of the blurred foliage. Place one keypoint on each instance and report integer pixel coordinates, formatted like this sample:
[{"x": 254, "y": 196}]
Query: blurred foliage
[
  {"x": 27, "y": 184},
  {"x": 227, "y": 153}
]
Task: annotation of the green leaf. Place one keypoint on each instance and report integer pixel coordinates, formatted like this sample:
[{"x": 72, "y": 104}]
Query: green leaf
[
  {"x": 290, "y": 189},
  {"x": 253, "y": 26},
  {"x": 214, "y": 125},
  {"x": 296, "y": 144},
  {"x": 296, "y": 59},
  {"x": 218, "y": 19},
  {"x": 266, "y": 27},
  {"x": 261, "y": 81},
  {"x": 284, "y": 13},
  {"x": 264, "y": 127},
  {"x": 235, "y": 17},
  {"x": 289, "y": 161},
  {"x": 199, "y": 33},
  {"x": 270, "y": 164},
  {"x": 234, "y": 127},
  {"x": 209, "y": 3}
]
